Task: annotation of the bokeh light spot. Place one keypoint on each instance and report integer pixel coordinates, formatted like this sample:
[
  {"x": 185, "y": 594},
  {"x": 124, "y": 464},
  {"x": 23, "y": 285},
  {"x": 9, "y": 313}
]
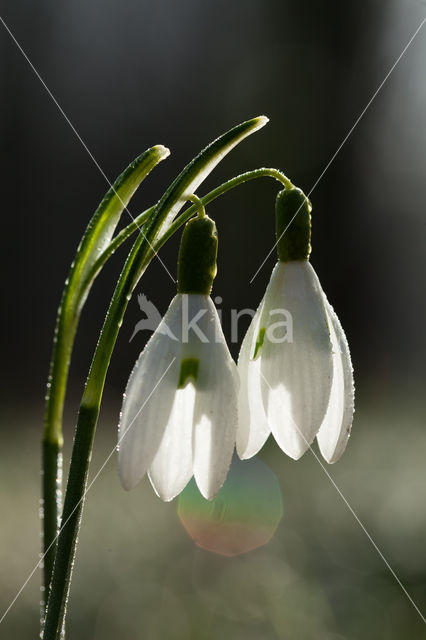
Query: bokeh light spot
[{"x": 243, "y": 516}]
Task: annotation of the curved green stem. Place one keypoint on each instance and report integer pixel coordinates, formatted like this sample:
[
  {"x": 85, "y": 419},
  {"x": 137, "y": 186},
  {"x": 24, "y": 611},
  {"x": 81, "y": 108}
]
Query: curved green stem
[
  {"x": 223, "y": 188},
  {"x": 141, "y": 254},
  {"x": 198, "y": 203}
]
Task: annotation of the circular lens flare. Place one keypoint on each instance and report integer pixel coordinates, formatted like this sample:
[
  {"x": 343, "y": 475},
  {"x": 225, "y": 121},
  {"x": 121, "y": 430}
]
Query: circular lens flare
[{"x": 243, "y": 516}]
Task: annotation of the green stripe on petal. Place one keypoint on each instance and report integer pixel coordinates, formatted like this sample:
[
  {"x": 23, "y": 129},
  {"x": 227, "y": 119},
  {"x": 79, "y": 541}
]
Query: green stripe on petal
[
  {"x": 259, "y": 342},
  {"x": 188, "y": 371}
]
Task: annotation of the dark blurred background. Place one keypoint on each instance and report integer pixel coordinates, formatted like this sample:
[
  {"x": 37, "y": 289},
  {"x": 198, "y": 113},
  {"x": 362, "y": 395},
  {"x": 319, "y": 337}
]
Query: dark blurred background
[{"x": 132, "y": 74}]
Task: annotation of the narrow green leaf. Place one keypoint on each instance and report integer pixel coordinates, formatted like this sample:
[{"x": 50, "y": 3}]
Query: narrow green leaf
[
  {"x": 137, "y": 224},
  {"x": 95, "y": 241},
  {"x": 202, "y": 165},
  {"x": 101, "y": 228},
  {"x": 183, "y": 186}
]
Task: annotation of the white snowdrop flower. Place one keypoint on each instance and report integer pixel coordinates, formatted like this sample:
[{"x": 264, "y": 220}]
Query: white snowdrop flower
[
  {"x": 295, "y": 367},
  {"x": 179, "y": 414}
]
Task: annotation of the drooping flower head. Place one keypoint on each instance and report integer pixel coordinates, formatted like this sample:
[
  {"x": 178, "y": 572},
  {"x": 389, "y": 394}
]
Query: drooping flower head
[
  {"x": 296, "y": 373},
  {"x": 179, "y": 414}
]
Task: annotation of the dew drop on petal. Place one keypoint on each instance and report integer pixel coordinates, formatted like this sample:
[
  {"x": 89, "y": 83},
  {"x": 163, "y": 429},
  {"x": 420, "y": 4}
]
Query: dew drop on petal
[{"x": 243, "y": 516}]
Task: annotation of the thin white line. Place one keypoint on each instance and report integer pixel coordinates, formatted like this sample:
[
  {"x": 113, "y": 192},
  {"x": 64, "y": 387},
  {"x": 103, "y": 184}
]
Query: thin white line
[
  {"x": 353, "y": 512},
  {"x": 37, "y": 566},
  {"x": 84, "y": 145},
  {"x": 345, "y": 139}
]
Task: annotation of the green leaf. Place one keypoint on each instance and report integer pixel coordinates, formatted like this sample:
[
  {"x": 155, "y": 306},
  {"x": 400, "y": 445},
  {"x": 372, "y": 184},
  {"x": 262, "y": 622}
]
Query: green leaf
[
  {"x": 179, "y": 191},
  {"x": 95, "y": 241},
  {"x": 100, "y": 230},
  {"x": 202, "y": 165}
]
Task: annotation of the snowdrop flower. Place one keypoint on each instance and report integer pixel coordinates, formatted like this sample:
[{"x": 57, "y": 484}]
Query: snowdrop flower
[
  {"x": 179, "y": 413},
  {"x": 294, "y": 364}
]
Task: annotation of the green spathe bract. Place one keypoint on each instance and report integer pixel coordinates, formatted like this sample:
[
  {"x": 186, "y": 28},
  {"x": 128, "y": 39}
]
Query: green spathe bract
[
  {"x": 293, "y": 225},
  {"x": 197, "y": 256}
]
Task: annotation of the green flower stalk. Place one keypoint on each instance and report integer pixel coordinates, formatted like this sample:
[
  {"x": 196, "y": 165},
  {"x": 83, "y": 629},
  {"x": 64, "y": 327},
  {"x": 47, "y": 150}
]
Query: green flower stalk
[{"x": 141, "y": 254}]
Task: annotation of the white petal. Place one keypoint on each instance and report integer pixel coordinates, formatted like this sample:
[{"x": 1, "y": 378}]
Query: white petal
[
  {"x": 148, "y": 399},
  {"x": 216, "y": 410},
  {"x": 336, "y": 427},
  {"x": 296, "y": 373},
  {"x": 253, "y": 429},
  {"x": 171, "y": 468}
]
